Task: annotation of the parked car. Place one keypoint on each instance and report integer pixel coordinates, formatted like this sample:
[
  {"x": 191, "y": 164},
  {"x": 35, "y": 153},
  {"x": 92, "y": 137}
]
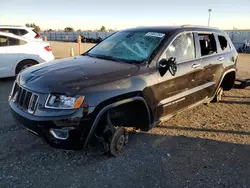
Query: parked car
[
  {"x": 18, "y": 53},
  {"x": 89, "y": 40},
  {"x": 22, "y": 31},
  {"x": 134, "y": 78}
]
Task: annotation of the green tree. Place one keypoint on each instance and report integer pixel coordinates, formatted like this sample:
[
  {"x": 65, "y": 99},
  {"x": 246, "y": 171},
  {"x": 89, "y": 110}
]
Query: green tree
[
  {"x": 68, "y": 29},
  {"x": 36, "y": 27},
  {"x": 103, "y": 29},
  {"x": 49, "y": 30},
  {"x": 111, "y": 30}
]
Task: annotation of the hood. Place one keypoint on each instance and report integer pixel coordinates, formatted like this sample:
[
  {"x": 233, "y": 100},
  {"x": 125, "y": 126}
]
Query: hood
[{"x": 70, "y": 75}]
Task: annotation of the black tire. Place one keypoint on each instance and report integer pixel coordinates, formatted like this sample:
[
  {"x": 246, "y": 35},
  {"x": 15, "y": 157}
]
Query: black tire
[
  {"x": 118, "y": 141},
  {"x": 24, "y": 64},
  {"x": 218, "y": 96}
]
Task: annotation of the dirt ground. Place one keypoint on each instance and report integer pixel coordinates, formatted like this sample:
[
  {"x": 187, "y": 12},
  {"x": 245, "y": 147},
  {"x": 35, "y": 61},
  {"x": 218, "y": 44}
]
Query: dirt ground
[
  {"x": 207, "y": 146},
  {"x": 62, "y": 49}
]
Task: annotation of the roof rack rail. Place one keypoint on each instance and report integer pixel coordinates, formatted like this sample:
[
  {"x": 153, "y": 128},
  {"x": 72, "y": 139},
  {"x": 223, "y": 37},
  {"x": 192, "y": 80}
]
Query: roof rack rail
[
  {"x": 190, "y": 25},
  {"x": 12, "y": 26}
]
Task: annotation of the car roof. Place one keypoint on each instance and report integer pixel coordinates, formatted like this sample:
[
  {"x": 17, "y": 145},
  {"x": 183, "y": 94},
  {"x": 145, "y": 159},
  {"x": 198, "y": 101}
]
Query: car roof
[
  {"x": 15, "y": 27},
  {"x": 166, "y": 29}
]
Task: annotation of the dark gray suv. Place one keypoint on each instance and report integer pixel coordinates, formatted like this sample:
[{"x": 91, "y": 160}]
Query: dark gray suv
[{"x": 134, "y": 78}]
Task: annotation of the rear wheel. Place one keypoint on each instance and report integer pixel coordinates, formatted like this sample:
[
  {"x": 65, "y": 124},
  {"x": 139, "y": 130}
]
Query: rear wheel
[{"x": 24, "y": 65}]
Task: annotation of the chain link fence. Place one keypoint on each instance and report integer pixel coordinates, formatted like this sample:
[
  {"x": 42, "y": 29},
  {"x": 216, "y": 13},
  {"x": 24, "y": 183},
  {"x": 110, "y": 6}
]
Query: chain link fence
[
  {"x": 238, "y": 37},
  {"x": 72, "y": 36}
]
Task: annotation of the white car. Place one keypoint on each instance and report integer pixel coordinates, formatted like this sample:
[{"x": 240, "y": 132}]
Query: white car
[
  {"x": 23, "y": 31},
  {"x": 18, "y": 53}
]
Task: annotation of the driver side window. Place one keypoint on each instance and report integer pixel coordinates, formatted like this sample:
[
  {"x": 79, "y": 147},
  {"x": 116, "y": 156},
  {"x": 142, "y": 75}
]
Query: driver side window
[{"x": 182, "y": 48}]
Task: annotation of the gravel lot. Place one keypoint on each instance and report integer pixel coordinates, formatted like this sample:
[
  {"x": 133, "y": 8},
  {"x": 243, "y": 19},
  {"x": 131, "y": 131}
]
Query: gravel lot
[
  {"x": 62, "y": 49},
  {"x": 208, "y": 146}
]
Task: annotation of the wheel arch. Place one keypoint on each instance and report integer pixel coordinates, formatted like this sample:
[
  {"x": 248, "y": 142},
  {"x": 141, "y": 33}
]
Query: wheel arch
[
  {"x": 227, "y": 82},
  {"x": 23, "y": 60},
  {"x": 105, "y": 109}
]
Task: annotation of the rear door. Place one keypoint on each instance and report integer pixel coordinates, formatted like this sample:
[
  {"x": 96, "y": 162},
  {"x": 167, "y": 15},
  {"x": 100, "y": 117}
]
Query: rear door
[
  {"x": 175, "y": 92},
  {"x": 9, "y": 54},
  {"x": 225, "y": 50},
  {"x": 211, "y": 64}
]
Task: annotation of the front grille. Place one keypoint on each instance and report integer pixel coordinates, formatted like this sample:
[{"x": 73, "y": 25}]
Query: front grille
[{"x": 24, "y": 99}]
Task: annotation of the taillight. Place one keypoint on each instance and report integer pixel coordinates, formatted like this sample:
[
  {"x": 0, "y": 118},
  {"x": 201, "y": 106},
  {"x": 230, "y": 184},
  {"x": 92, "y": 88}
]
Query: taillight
[
  {"x": 48, "y": 48},
  {"x": 38, "y": 36}
]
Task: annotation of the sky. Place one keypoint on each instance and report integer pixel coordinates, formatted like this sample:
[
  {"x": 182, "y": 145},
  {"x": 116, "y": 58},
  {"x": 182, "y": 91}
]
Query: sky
[{"x": 115, "y": 14}]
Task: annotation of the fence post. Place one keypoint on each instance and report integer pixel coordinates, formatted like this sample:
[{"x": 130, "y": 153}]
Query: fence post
[{"x": 79, "y": 44}]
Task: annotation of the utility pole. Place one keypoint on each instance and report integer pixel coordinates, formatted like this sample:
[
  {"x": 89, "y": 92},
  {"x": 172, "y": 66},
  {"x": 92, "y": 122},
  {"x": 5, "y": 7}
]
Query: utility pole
[{"x": 209, "y": 15}]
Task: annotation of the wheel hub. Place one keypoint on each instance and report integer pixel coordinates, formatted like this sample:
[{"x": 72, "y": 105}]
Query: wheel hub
[
  {"x": 26, "y": 66},
  {"x": 118, "y": 141}
]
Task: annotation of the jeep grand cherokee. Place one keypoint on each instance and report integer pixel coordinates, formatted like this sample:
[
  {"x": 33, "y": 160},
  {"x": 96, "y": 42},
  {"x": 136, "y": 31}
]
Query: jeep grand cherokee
[{"x": 134, "y": 78}]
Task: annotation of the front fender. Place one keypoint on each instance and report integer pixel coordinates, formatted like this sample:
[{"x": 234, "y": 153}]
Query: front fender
[
  {"x": 113, "y": 91},
  {"x": 112, "y": 105}
]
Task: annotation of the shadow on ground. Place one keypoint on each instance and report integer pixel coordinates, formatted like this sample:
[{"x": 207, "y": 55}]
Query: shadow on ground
[{"x": 150, "y": 160}]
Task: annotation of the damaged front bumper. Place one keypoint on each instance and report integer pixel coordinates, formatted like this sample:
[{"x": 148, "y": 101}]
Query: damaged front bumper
[{"x": 67, "y": 130}]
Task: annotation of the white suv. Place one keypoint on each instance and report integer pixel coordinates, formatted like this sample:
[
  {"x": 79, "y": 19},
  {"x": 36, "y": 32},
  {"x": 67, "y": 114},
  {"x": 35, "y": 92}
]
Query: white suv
[
  {"x": 18, "y": 53},
  {"x": 23, "y": 31}
]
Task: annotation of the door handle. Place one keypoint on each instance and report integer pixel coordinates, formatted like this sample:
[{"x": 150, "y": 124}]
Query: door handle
[
  {"x": 221, "y": 58},
  {"x": 196, "y": 66}
]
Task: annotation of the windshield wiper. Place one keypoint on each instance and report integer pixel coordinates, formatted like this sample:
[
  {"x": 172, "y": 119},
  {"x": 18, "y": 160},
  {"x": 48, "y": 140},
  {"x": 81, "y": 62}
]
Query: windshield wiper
[
  {"x": 111, "y": 58},
  {"x": 101, "y": 56}
]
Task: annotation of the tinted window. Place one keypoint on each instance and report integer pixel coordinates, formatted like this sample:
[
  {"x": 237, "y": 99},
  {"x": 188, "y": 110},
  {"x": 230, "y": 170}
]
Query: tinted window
[
  {"x": 3, "y": 41},
  {"x": 13, "y": 42},
  {"x": 182, "y": 48},
  {"x": 8, "y": 41},
  {"x": 224, "y": 45},
  {"x": 207, "y": 44},
  {"x": 4, "y": 30},
  {"x": 22, "y": 32},
  {"x": 13, "y": 31}
]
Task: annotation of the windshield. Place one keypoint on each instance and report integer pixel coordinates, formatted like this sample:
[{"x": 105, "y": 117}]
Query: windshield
[{"x": 128, "y": 46}]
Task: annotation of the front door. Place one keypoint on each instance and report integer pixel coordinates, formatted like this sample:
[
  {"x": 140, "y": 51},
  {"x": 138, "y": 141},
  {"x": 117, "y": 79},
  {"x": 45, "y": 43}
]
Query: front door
[{"x": 175, "y": 92}]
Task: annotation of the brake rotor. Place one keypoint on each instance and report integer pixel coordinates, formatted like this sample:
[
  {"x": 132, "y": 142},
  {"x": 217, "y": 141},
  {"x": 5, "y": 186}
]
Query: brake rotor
[{"x": 118, "y": 141}]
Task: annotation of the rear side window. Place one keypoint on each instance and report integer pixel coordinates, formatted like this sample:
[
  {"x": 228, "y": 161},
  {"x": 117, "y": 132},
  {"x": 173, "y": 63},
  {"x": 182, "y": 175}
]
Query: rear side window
[
  {"x": 13, "y": 41},
  {"x": 182, "y": 48},
  {"x": 3, "y": 41},
  {"x": 224, "y": 45},
  {"x": 22, "y": 32},
  {"x": 8, "y": 41},
  {"x": 5, "y": 30},
  {"x": 207, "y": 44},
  {"x": 13, "y": 31}
]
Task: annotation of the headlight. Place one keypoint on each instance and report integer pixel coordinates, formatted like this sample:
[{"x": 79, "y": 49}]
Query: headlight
[{"x": 63, "y": 102}]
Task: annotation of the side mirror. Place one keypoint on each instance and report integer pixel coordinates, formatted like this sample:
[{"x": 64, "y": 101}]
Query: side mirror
[{"x": 165, "y": 65}]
